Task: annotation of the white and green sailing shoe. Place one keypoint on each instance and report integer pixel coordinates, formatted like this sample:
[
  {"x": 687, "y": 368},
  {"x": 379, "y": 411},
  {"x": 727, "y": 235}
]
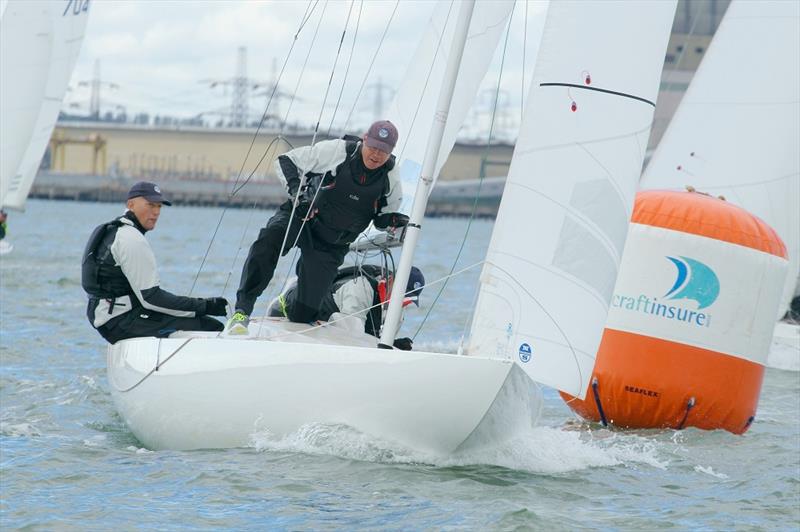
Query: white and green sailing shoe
[{"x": 238, "y": 323}]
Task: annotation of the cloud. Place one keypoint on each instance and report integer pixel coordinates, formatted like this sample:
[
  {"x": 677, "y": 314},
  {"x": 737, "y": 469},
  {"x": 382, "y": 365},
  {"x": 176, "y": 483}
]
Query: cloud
[{"x": 164, "y": 55}]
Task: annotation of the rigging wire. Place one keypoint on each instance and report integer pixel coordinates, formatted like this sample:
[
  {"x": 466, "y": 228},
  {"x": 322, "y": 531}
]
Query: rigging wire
[
  {"x": 234, "y": 189},
  {"x": 524, "y": 49},
  {"x": 347, "y": 69},
  {"x": 480, "y": 181},
  {"x": 371, "y": 64},
  {"x": 301, "y": 171},
  {"x": 428, "y": 78}
]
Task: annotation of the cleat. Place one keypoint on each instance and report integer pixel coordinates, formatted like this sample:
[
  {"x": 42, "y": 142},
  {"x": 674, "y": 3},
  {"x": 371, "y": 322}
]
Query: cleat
[{"x": 238, "y": 323}]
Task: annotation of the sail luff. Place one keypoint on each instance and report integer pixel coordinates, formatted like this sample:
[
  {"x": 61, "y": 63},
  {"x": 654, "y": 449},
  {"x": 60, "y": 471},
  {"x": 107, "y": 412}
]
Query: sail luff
[
  {"x": 562, "y": 222},
  {"x": 425, "y": 181}
]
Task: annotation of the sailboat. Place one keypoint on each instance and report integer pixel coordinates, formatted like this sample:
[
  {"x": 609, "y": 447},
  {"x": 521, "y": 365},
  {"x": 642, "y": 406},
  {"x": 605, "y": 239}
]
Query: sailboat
[
  {"x": 39, "y": 45},
  {"x": 735, "y": 135},
  {"x": 591, "y": 101}
]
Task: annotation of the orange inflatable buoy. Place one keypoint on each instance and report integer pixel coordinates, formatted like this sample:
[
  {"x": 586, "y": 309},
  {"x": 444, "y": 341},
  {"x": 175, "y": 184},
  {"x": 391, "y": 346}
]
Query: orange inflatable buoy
[{"x": 691, "y": 318}]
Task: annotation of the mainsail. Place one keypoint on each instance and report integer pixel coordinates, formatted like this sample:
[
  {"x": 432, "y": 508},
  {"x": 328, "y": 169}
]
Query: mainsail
[
  {"x": 560, "y": 231},
  {"x": 414, "y": 105},
  {"x": 39, "y": 44},
  {"x": 737, "y": 129},
  {"x": 415, "y": 102}
]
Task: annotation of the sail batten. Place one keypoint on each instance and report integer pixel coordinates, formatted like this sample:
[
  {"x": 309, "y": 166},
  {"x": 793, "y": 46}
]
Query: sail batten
[{"x": 561, "y": 227}]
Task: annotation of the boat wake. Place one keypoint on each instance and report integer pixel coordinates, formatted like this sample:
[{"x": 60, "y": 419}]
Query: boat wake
[{"x": 539, "y": 450}]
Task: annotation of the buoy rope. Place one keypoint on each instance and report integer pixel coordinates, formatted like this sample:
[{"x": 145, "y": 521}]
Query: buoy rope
[
  {"x": 598, "y": 403},
  {"x": 689, "y": 405}
]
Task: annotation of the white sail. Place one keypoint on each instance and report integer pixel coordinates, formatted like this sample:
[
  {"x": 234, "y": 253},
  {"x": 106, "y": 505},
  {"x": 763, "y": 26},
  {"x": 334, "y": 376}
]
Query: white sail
[
  {"x": 737, "y": 130},
  {"x": 39, "y": 44},
  {"x": 415, "y": 102},
  {"x": 560, "y": 231}
]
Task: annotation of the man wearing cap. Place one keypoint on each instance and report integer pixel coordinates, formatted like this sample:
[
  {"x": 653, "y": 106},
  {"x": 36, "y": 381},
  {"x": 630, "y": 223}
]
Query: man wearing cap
[
  {"x": 358, "y": 292},
  {"x": 350, "y": 182},
  {"x": 120, "y": 276}
]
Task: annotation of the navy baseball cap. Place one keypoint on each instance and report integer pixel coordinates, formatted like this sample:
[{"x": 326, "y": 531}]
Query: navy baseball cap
[
  {"x": 382, "y": 135},
  {"x": 148, "y": 191},
  {"x": 416, "y": 282}
]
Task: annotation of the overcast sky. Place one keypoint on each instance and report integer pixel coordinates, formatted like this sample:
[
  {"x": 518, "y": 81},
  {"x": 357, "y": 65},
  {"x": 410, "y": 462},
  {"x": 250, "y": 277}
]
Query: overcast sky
[{"x": 162, "y": 56}]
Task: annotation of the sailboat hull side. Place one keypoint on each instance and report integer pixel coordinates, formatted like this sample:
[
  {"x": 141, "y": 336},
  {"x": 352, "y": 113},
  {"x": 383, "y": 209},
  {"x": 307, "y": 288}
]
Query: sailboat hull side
[{"x": 218, "y": 393}]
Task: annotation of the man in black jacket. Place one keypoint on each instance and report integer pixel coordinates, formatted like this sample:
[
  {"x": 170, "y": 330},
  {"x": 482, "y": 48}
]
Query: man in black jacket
[
  {"x": 120, "y": 276},
  {"x": 350, "y": 183}
]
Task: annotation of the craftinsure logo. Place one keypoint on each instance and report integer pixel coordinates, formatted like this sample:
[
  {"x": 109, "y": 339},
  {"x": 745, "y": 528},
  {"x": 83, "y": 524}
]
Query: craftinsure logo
[{"x": 694, "y": 282}]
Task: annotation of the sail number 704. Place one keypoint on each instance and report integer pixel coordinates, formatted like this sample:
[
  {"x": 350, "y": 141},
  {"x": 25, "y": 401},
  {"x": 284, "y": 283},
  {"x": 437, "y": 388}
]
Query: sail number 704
[{"x": 78, "y": 7}]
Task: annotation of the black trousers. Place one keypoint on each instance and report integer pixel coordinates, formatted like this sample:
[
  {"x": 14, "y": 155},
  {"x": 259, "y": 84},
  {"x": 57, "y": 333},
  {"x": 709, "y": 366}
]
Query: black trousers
[
  {"x": 316, "y": 269},
  {"x": 133, "y": 325}
]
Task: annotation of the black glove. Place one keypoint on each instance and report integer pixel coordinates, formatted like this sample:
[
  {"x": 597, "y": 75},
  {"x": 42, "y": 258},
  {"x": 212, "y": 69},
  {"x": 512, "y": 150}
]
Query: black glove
[
  {"x": 404, "y": 344},
  {"x": 215, "y": 306},
  {"x": 391, "y": 219},
  {"x": 303, "y": 210}
]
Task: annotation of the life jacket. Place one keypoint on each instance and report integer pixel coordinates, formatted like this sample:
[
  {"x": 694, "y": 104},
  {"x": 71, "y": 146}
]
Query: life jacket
[
  {"x": 101, "y": 278},
  {"x": 348, "y": 201}
]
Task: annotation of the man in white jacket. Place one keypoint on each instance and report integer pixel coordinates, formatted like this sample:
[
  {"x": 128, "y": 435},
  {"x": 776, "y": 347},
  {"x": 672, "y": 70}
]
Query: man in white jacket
[
  {"x": 120, "y": 277},
  {"x": 358, "y": 292}
]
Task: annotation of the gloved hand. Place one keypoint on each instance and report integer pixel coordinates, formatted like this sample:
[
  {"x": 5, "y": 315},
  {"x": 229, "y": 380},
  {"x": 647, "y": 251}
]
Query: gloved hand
[
  {"x": 391, "y": 219},
  {"x": 403, "y": 344},
  {"x": 216, "y": 306},
  {"x": 304, "y": 210}
]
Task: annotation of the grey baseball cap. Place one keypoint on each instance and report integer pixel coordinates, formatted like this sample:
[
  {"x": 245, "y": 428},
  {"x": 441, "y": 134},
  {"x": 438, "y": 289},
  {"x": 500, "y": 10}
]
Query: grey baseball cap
[
  {"x": 148, "y": 191},
  {"x": 382, "y": 135}
]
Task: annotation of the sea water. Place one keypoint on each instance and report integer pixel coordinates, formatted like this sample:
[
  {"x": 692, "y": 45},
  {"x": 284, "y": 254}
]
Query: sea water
[{"x": 68, "y": 462}]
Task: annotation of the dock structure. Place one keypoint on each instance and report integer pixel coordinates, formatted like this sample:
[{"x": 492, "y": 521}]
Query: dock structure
[{"x": 449, "y": 198}]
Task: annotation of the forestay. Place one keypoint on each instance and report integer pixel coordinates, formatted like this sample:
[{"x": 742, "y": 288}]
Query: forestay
[
  {"x": 737, "y": 130},
  {"x": 557, "y": 242},
  {"x": 39, "y": 44}
]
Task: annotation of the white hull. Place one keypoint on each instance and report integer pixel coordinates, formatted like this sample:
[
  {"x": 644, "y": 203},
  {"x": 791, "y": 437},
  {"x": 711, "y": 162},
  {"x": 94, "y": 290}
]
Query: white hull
[
  {"x": 218, "y": 392},
  {"x": 785, "y": 351}
]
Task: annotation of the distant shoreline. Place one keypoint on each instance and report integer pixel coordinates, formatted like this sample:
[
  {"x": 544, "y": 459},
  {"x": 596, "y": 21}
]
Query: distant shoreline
[{"x": 451, "y": 198}]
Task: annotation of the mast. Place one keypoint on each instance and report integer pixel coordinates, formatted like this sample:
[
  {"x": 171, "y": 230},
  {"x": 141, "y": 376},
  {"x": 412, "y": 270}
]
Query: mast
[{"x": 425, "y": 182}]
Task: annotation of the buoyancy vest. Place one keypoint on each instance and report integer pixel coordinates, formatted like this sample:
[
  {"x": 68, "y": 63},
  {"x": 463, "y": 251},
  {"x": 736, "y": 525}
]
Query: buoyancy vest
[
  {"x": 101, "y": 278},
  {"x": 348, "y": 201}
]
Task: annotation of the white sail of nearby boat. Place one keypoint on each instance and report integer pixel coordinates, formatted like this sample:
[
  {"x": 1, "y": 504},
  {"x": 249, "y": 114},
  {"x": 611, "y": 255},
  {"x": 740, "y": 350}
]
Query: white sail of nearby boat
[
  {"x": 39, "y": 45},
  {"x": 561, "y": 227},
  {"x": 737, "y": 130}
]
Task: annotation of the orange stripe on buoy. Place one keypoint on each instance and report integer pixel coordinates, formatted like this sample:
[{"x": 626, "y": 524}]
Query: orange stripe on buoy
[{"x": 658, "y": 380}]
